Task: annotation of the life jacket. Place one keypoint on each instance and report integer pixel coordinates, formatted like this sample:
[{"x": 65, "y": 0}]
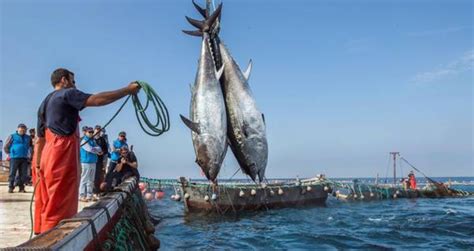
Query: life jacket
[
  {"x": 88, "y": 157},
  {"x": 20, "y": 146}
]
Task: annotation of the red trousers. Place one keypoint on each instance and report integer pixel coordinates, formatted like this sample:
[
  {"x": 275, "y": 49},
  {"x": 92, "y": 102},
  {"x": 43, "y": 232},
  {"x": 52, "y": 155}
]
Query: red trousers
[{"x": 57, "y": 193}]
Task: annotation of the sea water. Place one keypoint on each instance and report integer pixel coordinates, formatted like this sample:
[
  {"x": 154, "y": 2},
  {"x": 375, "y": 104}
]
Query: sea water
[{"x": 446, "y": 223}]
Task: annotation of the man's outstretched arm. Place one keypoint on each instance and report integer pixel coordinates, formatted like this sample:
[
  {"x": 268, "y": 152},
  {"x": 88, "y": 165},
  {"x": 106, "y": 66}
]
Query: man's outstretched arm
[{"x": 105, "y": 98}]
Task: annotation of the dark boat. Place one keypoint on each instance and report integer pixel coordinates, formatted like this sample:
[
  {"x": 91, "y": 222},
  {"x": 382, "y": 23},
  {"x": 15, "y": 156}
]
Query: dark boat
[
  {"x": 366, "y": 192},
  {"x": 235, "y": 197}
]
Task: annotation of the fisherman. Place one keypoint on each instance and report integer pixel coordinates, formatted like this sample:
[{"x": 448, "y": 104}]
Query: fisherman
[
  {"x": 127, "y": 167},
  {"x": 412, "y": 179},
  {"x": 89, "y": 155},
  {"x": 57, "y": 149},
  {"x": 18, "y": 146},
  {"x": 102, "y": 142}
]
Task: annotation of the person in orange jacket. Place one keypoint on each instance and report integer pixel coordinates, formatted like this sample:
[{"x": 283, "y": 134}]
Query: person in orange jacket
[
  {"x": 56, "y": 159},
  {"x": 412, "y": 179}
]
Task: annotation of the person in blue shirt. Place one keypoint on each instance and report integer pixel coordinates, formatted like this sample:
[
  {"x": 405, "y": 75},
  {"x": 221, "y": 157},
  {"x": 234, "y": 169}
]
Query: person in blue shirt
[
  {"x": 89, "y": 155},
  {"x": 18, "y": 147},
  {"x": 115, "y": 150}
]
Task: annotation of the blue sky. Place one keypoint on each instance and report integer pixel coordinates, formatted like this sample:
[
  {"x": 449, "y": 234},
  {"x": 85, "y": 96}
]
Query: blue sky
[{"x": 341, "y": 83}]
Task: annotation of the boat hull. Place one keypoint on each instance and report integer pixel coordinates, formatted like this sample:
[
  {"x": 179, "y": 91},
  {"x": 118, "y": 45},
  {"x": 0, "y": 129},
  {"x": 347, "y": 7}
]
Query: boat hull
[{"x": 226, "y": 198}]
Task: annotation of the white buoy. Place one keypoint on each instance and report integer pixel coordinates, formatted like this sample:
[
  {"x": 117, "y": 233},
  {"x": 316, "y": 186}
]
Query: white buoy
[
  {"x": 395, "y": 196},
  {"x": 326, "y": 188},
  {"x": 309, "y": 188},
  {"x": 362, "y": 197},
  {"x": 172, "y": 196},
  {"x": 272, "y": 192},
  {"x": 264, "y": 185},
  {"x": 280, "y": 191},
  {"x": 186, "y": 195},
  {"x": 355, "y": 196},
  {"x": 214, "y": 196},
  {"x": 242, "y": 193},
  {"x": 371, "y": 194},
  {"x": 206, "y": 198},
  {"x": 253, "y": 192}
]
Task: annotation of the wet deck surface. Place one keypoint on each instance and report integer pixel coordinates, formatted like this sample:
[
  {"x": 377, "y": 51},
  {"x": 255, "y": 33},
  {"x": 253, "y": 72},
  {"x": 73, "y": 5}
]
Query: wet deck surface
[{"x": 15, "y": 223}]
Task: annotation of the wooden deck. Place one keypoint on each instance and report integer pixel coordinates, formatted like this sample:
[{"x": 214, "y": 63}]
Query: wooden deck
[{"x": 15, "y": 220}]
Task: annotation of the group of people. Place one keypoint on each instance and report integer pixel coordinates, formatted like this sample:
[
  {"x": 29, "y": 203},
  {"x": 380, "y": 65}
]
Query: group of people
[
  {"x": 20, "y": 150},
  {"x": 94, "y": 153}
]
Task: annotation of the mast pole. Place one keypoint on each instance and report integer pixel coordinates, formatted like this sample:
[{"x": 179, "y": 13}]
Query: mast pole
[{"x": 394, "y": 154}]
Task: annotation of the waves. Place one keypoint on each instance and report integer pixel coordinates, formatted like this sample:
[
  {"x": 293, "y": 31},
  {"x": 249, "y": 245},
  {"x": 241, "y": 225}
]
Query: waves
[{"x": 391, "y": 224}]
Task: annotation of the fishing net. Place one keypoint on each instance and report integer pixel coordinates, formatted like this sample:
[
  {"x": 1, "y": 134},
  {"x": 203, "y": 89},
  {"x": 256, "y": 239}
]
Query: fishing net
[{"x": 129, "y": 232}]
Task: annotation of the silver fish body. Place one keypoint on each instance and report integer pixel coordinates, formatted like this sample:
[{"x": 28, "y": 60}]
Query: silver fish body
[
  {"x": 246, "y": 124},
  {"x": 208, "y": 122}
]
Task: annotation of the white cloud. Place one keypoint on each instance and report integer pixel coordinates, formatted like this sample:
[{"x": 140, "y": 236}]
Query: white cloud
[{"x": 462, "y": 64}]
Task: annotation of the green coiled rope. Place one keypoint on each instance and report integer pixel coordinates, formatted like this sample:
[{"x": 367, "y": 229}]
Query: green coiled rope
[{"x": 162, "y": 123}]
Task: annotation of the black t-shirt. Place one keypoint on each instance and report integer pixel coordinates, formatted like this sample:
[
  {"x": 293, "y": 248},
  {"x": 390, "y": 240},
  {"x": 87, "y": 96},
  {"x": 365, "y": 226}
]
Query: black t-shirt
[
  {"x": 127, "y": 168},
  {"x": 63, "y": 108},
  {"x": 102, "y": 142}
]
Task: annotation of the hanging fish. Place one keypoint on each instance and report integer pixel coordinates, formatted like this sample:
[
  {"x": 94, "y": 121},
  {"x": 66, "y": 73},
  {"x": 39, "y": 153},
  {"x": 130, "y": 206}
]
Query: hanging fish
[
  {"x": 246, "y": 124},
  {"x": 207, "y": 120}
]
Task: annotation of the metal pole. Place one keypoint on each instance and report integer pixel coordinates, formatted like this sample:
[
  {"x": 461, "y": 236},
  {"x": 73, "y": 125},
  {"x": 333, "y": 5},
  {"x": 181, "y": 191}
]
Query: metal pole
[{"x": 394, "y": 167}]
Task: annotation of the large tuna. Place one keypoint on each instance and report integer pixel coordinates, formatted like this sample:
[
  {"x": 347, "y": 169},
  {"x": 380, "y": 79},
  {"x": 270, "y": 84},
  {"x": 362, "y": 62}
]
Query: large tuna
[
  {"x": 207, "y": 113},
  {"x": 245, "y": 122}
]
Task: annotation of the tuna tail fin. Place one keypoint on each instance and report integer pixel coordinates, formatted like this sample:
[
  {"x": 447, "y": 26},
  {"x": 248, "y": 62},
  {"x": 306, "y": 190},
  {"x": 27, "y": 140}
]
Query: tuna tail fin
[
  {"x": 196, "y": 33},
  {"x": 205, "y": 25},
  {"x": 201, "y": 10},
  {"x": 191, "y": 125}
]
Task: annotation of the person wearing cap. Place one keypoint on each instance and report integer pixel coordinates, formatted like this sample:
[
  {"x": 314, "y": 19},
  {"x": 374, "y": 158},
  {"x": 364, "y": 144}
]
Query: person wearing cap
[
  {"x": 89, "y": 155},
  {"x": 56, "y": 160},
  {"x": 126, "y": 167},
  {"x": 102, "y": 141},
  {"x": 115, "y": 151},
  {"x": 18, "y": 146}
]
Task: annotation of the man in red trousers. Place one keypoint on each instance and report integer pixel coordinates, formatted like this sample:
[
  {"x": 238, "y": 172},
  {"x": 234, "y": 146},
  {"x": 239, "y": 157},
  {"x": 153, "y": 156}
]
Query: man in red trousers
[{"x": 57, "y": 148}]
